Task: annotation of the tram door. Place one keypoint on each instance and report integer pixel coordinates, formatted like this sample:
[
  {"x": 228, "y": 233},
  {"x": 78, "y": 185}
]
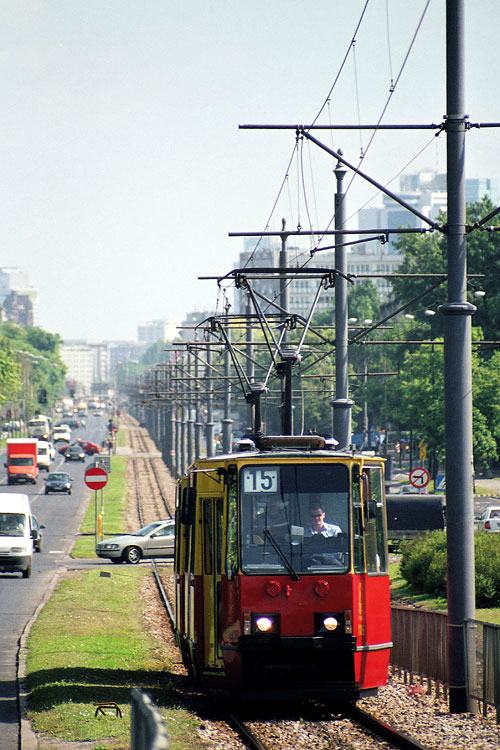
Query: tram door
[{"x": 212, "y": 568}]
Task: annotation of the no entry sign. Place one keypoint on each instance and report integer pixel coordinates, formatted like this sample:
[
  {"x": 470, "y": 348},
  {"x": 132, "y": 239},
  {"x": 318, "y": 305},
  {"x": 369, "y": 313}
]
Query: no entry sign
[
  {"x": 96, "y": 478},
  {"x": 419, "y": 477}
]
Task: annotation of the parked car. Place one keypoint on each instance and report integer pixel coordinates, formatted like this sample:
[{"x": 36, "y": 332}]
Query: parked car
[
  {"x": 154, "y": 540},
  {"x": 88, "y": 447},
  {"x": 36, "y": 534},
  {"x": 490, "y": 519},
  {"x": 58, "y": 481},
  {"x": 74, "y": 453}
]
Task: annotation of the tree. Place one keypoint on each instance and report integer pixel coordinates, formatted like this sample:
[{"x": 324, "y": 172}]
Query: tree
[{"x": 9, "y": 373}]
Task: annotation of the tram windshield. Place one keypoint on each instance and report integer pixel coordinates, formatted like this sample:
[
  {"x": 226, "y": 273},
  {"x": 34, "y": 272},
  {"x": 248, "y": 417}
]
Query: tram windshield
[{"x": 294, "y": 517}]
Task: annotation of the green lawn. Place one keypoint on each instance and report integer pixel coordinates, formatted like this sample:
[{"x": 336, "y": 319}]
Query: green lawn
[
  {"x": 88, "y": 645},
  {"x": 115, "y": 499},
  {"x": 402, "y": 590}
]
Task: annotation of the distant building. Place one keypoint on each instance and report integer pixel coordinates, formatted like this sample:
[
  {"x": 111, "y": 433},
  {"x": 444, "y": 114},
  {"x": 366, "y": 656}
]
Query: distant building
[
  {"x": 89, "y": 362},
  {"x": 426, "y": 192},
  {"x": 301, "y": 292},
  {"x": 151, "y": 331},
  {"x": 18, "y": 308},
  {"x": 18, "y": 300},
  {"x": 79, "y": 359}
]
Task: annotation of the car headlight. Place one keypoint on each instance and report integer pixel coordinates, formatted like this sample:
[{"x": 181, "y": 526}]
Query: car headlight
[
  {"x": 109, "y": 546},
  {"x": 20, "y": 550}
]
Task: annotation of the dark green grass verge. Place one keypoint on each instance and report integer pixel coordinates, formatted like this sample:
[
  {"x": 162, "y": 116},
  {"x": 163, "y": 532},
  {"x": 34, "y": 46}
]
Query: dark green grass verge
[
  {"x": 115, "y": 499},
  {"x": 89, "y": 645}
]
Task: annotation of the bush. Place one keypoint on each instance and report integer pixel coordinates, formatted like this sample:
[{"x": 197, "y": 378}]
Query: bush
[
  {"x": 423, "y": 562},
  {"x": 423, "y": 566}
]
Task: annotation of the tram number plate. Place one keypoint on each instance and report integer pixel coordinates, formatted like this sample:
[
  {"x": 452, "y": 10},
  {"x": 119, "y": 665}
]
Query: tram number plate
[{"x": 260, "y": 480}]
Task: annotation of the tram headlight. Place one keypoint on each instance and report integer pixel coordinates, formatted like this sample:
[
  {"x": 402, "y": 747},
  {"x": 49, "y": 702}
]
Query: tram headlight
[
  {"x": 264, "y": 624},
  {"x": 330, "y": 623}
]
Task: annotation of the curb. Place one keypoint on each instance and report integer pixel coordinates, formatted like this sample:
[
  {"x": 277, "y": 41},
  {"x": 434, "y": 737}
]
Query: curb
[{"x": 28, "y": 738}]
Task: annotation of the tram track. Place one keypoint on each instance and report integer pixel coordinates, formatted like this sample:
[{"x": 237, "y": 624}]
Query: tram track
[{"x": 265, "y": 734}]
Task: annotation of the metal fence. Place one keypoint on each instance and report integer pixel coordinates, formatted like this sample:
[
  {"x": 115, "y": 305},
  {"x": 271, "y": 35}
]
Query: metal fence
[
  {"x": 483, "y": 663},
  {"x": 147, "y": 727},
  {"x": 419, "y": 650},
  {"x": 420, "y": 654}
]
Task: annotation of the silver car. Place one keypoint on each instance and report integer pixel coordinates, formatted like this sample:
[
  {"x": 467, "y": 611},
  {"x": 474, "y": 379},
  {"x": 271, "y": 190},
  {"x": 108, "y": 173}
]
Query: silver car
[{"x": 154, "y": 540}]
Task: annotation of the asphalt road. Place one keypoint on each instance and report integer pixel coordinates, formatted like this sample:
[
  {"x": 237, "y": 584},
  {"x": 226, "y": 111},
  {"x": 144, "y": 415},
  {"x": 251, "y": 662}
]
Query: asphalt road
[{"x": 19, "y": 598}]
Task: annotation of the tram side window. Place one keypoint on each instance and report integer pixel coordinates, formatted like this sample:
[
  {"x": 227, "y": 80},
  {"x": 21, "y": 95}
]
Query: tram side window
[
  {"x": 359, "y": 556},
  {"x": 208, "y": 541},
  {"x": 232, "y": 526},
  {"x": 375, "y": 542}
]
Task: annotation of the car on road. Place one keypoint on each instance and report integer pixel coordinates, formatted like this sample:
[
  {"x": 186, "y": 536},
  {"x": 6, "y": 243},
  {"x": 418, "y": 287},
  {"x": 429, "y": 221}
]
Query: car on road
[
  {"x": 74, "y": 453},
  {"x": 490, "y": 519},
  {"x": 58, "y": 481},
  {"x": 61, "y": 433},
  {"x": 157, "y": 539},
  {"x": 89, "y": 448},
  {"x": 36, "y": 534}
]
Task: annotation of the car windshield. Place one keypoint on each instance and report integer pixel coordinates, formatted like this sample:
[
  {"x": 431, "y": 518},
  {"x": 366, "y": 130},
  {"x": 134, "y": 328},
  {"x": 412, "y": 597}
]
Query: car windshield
[
  {"x": 147, "y": 529},
  {"x": 294, "y": 517},
  {"x": 59, "y": 477},
  {"x": 12, "y": 524}
]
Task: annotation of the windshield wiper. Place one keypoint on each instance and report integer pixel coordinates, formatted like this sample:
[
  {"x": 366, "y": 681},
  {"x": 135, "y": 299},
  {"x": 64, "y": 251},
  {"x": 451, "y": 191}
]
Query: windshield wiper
[{"x": 286, "y": 562}]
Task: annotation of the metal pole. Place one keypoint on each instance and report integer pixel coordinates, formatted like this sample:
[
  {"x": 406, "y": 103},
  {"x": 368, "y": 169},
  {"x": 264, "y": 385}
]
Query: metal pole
[
  {"x": 198, "y": 425},
  {"x": 190, "y": 420},
  {"x": 457, "y": 375},
  {"x": 209, "y": 427},
  {"x": 227, "y": 422},
  {"x": 250, "y": 368},
  {"x": 286, "y": 419},
  {"x": 341, "y": 404}
]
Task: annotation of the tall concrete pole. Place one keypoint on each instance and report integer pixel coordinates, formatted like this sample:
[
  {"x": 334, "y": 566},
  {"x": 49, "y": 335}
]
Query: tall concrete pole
[
  {"x": 341, "y": 404},
  {"x": 457, "y": 375}
]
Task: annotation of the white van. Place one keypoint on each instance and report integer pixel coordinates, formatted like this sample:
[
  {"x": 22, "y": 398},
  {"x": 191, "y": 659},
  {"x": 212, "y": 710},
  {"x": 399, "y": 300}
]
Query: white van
[
  {"x": 16, "y": 542},
  {"x": 44, "y": 457}
]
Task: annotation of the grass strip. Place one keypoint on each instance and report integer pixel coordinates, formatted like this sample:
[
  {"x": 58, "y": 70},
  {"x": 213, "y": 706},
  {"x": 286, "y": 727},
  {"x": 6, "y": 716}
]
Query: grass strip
[
  {"x": 88, "y": 645},
  {"x": 115, "y": 501}
]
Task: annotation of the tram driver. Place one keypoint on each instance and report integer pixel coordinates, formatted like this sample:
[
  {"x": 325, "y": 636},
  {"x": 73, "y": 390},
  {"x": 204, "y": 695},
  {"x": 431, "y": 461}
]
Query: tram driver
[
  {"x": 320, "y": 539},
  {"x": 319, "y": 525}
]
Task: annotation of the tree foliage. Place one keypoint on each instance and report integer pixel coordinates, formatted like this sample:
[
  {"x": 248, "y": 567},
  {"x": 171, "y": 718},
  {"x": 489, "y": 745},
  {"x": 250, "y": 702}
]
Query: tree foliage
[{"x": 31, "y": 370}]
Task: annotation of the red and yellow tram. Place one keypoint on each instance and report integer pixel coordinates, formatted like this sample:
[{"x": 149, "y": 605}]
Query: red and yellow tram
[{"x": 282, "y": 587}]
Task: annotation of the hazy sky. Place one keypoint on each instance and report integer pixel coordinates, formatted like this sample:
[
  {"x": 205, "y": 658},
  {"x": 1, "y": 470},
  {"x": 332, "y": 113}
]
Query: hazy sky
[{"x": 123, "y": 169}]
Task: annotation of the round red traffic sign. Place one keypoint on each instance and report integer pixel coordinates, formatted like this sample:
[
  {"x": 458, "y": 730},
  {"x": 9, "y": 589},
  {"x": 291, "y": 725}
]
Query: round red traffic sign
[
  {"x": 96, "y": 478},
  {"x": 419, "y": 477}
]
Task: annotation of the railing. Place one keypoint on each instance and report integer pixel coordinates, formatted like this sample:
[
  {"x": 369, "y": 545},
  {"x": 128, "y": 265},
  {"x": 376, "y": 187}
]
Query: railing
[
  {"x": 147, "y": 727},
  {"x": 420, "y": 654},
  {"x": 419, "y": 650},
  {"x": 483, "y": 663}
]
